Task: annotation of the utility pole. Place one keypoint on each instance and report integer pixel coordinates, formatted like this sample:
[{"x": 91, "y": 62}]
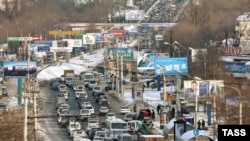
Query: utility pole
[
  {"x": 27, "y": 92},
  {"x": 35, "y": 111},
  {"x": 122, "y": 85},
  {"x": 165, "y": 103},
  {"x": 171, "y": 42},
  {"x": 117, "y": 73}
]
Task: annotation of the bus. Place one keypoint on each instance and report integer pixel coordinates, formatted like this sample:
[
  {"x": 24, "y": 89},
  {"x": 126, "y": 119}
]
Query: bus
[
  {"x": 87, "y": 77},
  {"x": 116, "y": 127}
]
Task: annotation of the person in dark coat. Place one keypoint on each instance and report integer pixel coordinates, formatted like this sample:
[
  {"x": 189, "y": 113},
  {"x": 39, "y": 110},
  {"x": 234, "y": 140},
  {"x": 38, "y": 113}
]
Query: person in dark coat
[
  {"x": 153, "y": 115},
  {"x": 158, "y": 109},
  {"x": 135, "y": 108},
  {"x": 173, "y": 112}
]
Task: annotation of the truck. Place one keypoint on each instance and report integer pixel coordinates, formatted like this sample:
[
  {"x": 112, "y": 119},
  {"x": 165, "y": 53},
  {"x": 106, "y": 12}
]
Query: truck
[
  {"x": 68, "y": 76},
  {"x": 79, "y": 86},
  {"x": 86, "y": 77}
]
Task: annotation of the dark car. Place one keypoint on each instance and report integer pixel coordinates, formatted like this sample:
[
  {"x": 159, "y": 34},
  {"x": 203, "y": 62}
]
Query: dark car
[
  {"x": 109, "y": 86},
  {"x": 91, "y": 133},
  {"x": 97, "y": 95}
]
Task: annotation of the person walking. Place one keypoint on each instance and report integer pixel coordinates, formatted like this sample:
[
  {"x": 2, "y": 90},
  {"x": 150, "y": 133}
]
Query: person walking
[
  {"x": 153, "y": 115},
  {"x": 173, "y": 112},
  {"x": 158, "y": 109},
  {"x": 135, "y": 108}
]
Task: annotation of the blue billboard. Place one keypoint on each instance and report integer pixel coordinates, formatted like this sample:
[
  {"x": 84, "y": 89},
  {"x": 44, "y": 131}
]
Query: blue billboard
[
  {"x": 171, "y": 66},
  {"x": 145, "y": 61},
  {"x": 19, "y": 68}
]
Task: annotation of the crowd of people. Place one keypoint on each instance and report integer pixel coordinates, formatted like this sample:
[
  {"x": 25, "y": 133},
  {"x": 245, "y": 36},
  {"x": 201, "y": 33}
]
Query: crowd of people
[{"x": 146, "y": 112}]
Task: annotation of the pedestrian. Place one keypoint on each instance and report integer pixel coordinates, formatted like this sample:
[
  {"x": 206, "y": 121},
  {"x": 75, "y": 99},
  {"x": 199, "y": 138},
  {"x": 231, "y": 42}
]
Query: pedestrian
[
  {"x": 199, "y": 124},
  {"x": 153, "y": 115},
  {"x": 135, "y": 108},
  {"x": 173, "y": 112},
  {"x": 203, "y": 124},
  {"x": 158, "y": 109}
]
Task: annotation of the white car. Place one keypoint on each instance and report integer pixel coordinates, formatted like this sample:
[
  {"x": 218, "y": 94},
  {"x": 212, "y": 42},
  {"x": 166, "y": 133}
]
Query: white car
[
  {"x": 103, "y": 110},
  {"x": 73, "y": 126},
  {"x": 89, "y": 107},
  {"x": 85, "y": 114},
  {"x": 85, "y": 103},
  {"x": 124, "y": 109},
  {"x": 110, "y": 115},
  {"x": 91, "y": 84},
  {"x": 81, "y": 94},
  {"x": 62, "y": 87},
  {"x": 64, "y": 112},
  {"x": 79, "y": 134},
  {"x": 97, "y": 89},
  {"x": 93, "y": 123}
]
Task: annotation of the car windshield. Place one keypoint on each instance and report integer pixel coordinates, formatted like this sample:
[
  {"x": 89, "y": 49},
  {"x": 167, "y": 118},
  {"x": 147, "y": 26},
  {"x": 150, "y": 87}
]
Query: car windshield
[
  {"x": 92, "y": 82},
  {"x": 104, "y": 108},
  {"x": 110, "y": 114},
  {"x": 97, "y": 88},
  {"x": 83, "y": 111},
  {"x": 89, "y": 107},
  {"x": 93, "y": 121},
  {"x": 124, "y": 107}
]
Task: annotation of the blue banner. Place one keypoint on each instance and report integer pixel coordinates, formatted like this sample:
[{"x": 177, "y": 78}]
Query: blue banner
[
  {"x": 146, "y": 60},
  {"x": 19, "y": 68},
  {"x": 171, "y": 66}
]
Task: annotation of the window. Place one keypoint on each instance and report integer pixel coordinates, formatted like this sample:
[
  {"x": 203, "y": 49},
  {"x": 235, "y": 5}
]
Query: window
[{"x": 119, "y": 125}]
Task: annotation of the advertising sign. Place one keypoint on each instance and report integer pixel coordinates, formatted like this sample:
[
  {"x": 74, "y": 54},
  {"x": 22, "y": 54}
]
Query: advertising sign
[
  {"x": 113, "y": 53},
  {"x": 158, "y": 24},
  {"x": 138, "y": 93},
  {"x": 171, "y": 66},
  {"x": 19, "y": 68},
  {"x": 61, "y": 49},
  {"x": 198, "y": 52},
  {"x": 131, "y": 28},
  {"x": 134, "y": 15},
  {"x": 202, "y": 89},
  {"x": 146, "y": 61},
  {"x": 159, "y": 37},
  {"x": 118, "y": 33},
  {"x": 88, "y": 39},
  {"x": 108, "y": 38},
  {"x": 73, "y": 42}
]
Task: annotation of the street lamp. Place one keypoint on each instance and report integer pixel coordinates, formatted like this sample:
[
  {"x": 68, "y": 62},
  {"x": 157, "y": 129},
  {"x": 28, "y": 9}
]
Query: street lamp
[
  {"x": 174, "y": 46},
  {"x": 180, "y": 45},
  {"x": 205, "y": 60},
  {"x": 240, "y": 106}
]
